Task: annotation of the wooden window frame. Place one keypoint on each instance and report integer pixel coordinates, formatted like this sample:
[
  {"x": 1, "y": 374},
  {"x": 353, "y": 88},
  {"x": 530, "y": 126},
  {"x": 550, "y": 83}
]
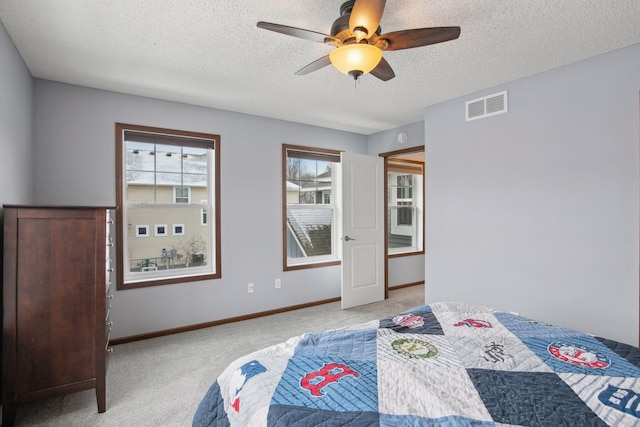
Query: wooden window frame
[
  {"x": 170, "y": 137},
  {"x": 310, "y": 153}
]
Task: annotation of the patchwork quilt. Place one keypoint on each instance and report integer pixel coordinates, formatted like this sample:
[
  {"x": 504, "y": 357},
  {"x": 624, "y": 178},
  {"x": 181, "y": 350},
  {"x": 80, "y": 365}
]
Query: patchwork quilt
[{"x": 444, "y": 364}]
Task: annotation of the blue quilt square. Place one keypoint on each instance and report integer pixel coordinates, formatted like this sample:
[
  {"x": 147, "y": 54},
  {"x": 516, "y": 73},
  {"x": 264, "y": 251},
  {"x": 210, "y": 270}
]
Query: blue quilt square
[
  {"x": 211, "y": 409},
  {"x": 536, "y": 399},
  {"x": 286, "y": 416},
  {"x": 413, "y": 322},
  {"x": 523, "y": 327},
  {"x": 581, "y": 354},
  {"x": 347, "y": 344},
  {"x": 330, "y": 384},
  {"x": 628, "y": 352}
]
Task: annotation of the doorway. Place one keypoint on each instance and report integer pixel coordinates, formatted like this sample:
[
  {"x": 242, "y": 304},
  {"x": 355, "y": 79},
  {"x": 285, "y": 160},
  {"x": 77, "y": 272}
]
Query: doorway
[{"x": 404, "y": 208}]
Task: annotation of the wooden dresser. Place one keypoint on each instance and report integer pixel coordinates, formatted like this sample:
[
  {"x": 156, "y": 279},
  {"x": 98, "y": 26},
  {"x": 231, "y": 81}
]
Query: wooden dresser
[{"x": 55, "y": 303}]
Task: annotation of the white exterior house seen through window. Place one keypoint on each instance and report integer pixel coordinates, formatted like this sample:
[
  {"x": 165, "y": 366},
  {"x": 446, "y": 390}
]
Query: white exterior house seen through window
[
  {"x": 160, "y": 174},
  {"x": 309, "y": 211}
]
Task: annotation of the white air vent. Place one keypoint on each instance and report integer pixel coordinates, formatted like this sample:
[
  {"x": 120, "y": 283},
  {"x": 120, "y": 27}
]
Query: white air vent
[{"x": 486, "y": 106}]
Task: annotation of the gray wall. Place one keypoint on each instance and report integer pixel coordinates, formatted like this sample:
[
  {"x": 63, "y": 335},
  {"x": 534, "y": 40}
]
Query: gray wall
[
  {"x": 16, "y": 116},
  {"x": 536, "y": 210},
  {"x": 75, "y": 164},
  {"x": 406, "y": 269}
]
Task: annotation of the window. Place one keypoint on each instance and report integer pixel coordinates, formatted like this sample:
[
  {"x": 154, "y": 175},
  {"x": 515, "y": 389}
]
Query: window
[
  {"x": 161, "y": 229},
  {"x": 309, "y": 214},
  {"x": 203, "y": 214},
  {"x": 159, "y": 173},
  {"x": 181, "y": 194},
  {"x": 405, "y": 205}
]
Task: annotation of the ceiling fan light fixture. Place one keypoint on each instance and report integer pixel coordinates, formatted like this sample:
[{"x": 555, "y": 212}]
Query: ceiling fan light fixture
[
  {"x": 357, "y": 57},
  {"x": 360, "y": 33},
  {"x": 365, "y": 18}
]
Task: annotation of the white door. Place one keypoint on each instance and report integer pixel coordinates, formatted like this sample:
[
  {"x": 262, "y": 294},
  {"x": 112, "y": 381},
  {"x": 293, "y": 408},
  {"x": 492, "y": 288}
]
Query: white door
[{"x": 362, "y": 229}]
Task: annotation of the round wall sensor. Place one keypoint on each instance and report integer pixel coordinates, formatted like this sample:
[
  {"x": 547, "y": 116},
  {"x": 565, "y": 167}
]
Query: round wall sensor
[{"x": 402, "y": 137}]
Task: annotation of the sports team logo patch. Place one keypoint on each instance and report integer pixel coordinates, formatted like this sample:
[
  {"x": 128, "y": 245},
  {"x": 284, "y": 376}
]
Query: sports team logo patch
[
  {"x": 239, "y": 378},
  {"x": 578, "y": 355},
  {"x": 414, "y": 348},
  {"x": 474, "y": 323},
  {"x": 495, "y": 353},
  {"x": 409, "y": 320},
  {"x": 622, "y": 399},
  {"x": 329, "y": 373}
]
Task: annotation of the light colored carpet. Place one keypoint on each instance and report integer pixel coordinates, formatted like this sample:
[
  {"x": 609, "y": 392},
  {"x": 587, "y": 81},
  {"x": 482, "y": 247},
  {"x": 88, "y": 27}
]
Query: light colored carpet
[{"x": 160, "y": 381}]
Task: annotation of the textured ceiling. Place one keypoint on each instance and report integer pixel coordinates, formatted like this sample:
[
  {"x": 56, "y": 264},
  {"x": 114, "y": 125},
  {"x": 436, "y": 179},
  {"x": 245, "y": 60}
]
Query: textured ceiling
[{"x": 210, "y": 52}]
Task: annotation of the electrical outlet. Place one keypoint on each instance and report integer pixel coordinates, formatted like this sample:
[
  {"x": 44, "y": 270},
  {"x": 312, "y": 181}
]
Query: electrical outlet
[
  {"x": 278, "y": 284},
  {"x": 250, "y": 288}
]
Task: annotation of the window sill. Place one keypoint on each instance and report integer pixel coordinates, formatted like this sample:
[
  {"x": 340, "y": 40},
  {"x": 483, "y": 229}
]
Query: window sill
[
  {"x": 311, "y": 265},
  {"x": 403, "y": 254},
  {"x": 166, "y": 281}
]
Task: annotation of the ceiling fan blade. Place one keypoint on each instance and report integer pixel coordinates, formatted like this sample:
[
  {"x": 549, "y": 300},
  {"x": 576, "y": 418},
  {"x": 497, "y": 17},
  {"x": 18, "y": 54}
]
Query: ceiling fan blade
[
  {"x": 300, "y": 33},
  {"x": 406, "y": 39},
  {"x": 314, "y": 66},
  {"x": 366, "y": 14},
  {"x": 383, "y": 71}
]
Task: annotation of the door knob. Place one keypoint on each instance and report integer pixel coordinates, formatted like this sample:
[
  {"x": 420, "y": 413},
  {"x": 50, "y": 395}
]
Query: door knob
[{"x": 347, "y": 238}]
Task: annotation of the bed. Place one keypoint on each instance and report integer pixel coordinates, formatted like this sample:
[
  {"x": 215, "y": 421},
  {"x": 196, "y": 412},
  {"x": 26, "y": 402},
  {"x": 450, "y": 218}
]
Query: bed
[{"x": 443, "y": 364}]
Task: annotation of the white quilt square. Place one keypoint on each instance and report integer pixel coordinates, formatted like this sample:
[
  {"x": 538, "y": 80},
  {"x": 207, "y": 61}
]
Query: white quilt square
[
  {"x": 427, "y": 391},
  {"x": 615, "y": 400},
  {"x": 497, "y": 353},
  {"x": 247, "y": 401},
  {"x": 471, "y": 324}
]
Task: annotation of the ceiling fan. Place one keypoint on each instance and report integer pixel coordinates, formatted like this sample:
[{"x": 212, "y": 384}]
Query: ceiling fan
[{"x": 359, "y": 44}]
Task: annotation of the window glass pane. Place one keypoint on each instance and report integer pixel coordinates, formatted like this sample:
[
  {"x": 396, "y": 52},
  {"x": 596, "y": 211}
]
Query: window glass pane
[
  {"x": 183, "y": 245},
  {"x": 165, "y": 179},
  {"x": 168, "y": 220},
  {"x": 311, "y": 230},
  {"x": 310, "y": 213},
  {"x": 403, "y": 216},
  {"x": 168, "y": 158}
]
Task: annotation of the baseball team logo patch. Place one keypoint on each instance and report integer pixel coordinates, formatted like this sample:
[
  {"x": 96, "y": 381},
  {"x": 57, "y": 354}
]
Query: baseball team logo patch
[
  {"x": 329, "y": 373},
  {"x": 409, "y": 320},
  {"x": 414, "y": 348},
  {"x": 474, "y": 323},
  {"x": 622, "y": 399},
  {"x": 239, "y": 378},
  {"x": 578, "y": 355}
]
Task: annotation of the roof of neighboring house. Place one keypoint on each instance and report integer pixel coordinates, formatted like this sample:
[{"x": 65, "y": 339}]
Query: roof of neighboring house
[
  {"x": 189, "y": 170},
  {"x": 312, "y": 228}
]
